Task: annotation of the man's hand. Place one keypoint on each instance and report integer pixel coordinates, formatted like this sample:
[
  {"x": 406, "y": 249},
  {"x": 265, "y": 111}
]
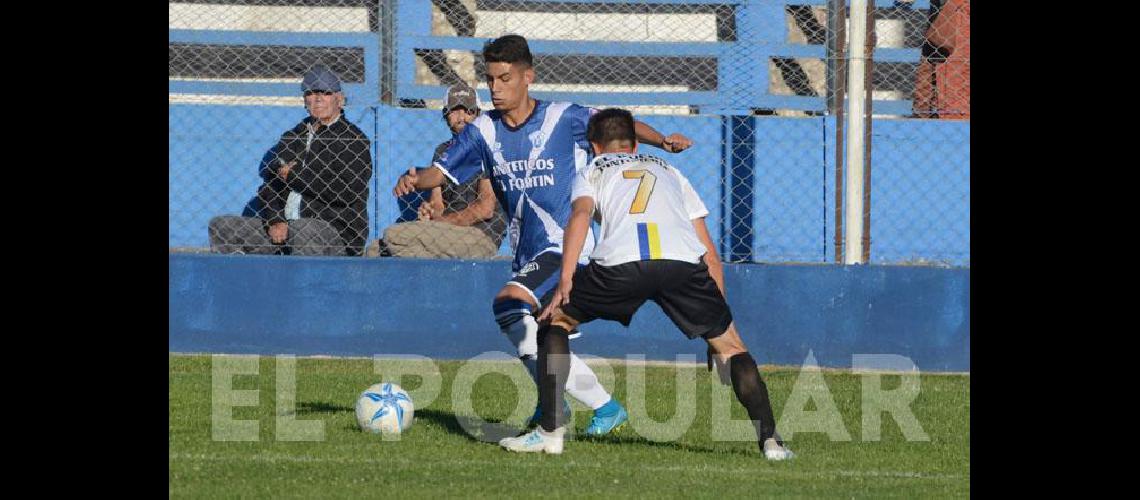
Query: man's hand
[
  {"x": 278, "y": 231},
  {"x": 561, "y": 297},
  {"x": 406, "y": 183},
  {"x": 426, "y": 211},
  {"x": 675, "y": 143},
  {"x": 283, "y": 170}
]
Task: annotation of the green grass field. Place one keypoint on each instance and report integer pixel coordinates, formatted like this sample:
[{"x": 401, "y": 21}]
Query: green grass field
[{"x": 438, "y": 456}]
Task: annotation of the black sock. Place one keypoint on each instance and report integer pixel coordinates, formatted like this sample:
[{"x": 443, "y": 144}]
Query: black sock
[
  {"x": 753, "y": 394},
  {"x": 553, "y": 370}
]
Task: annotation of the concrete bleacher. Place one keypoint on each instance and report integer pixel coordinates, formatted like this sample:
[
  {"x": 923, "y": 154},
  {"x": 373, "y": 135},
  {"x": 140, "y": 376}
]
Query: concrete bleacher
[{"x": 591, "y": 48}]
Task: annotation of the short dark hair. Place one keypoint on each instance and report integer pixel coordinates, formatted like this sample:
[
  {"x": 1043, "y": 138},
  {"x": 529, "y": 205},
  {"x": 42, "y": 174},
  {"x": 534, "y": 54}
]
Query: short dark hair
[
  {"x": 448, "y": 111},
  {"x": 509, "y": 49},
  {"x": 612, "y": 124}
]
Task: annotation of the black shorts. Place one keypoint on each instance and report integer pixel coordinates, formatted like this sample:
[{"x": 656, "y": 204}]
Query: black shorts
[{"x": 686, "y": 293}]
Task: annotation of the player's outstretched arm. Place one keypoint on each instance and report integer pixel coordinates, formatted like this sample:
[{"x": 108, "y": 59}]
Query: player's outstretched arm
[
  {"x": 421, "y": 180},
  {"x": 573, "y": 239},
  {"x": 673, "y": 143},
  {"x": 712, "y": 259}
]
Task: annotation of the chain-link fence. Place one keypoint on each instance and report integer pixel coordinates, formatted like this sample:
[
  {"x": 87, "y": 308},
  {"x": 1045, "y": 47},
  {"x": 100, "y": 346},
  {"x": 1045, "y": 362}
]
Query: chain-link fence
[{"x": 758, "y": 85}]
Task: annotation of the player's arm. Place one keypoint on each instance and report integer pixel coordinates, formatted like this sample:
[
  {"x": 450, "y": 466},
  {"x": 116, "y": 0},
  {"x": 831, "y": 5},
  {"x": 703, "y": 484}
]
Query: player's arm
[
  {"x": 418, "y": 180},
  {"x": 573, "y": 239},
  {"x": 481, "y": 209},
  {"x": 575, "y": 236},
  {"x": 462, "y": 161},
  {"x": 712, "y": 259},
  {"x": 673, "y": 143},
  {"x": 697, "y": 211}
]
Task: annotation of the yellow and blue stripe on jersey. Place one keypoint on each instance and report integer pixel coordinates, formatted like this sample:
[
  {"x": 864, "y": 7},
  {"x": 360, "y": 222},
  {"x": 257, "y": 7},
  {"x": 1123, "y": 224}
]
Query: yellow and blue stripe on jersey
[{"x": 648, "y": 240}]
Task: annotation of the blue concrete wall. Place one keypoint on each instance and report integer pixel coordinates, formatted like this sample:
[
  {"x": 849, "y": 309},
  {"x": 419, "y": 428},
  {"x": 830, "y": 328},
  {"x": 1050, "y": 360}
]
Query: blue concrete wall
[{"x": 361, "y": 307}]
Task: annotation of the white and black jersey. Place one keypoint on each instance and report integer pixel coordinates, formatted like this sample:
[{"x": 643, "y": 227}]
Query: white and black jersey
[
  {"x": 649, "y": 249},
  {"x": 646, "y": 207}
]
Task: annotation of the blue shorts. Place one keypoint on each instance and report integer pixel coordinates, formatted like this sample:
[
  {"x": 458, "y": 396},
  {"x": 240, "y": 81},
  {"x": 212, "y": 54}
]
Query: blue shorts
[{"x": 539, "y": 276}]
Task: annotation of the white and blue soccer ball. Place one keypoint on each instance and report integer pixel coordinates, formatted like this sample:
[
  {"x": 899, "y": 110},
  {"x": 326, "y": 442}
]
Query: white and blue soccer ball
[{"x": 384, "y": 408}]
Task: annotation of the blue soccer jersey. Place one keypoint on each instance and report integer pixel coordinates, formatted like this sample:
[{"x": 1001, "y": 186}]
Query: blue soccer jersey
[{"x": 532, "y": 169}]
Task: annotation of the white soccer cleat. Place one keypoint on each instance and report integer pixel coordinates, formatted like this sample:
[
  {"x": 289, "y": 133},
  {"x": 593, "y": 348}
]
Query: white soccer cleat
[
  {"x": 773, "y": 450},
  {"x": 536, "y": 441}
]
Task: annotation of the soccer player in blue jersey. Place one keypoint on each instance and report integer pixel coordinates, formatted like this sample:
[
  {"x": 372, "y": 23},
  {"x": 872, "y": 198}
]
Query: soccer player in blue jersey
[{"x": 531, "y": 149}]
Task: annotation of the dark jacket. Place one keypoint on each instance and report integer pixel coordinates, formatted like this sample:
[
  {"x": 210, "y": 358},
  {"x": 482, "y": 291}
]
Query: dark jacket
[{"x": 332, "y": 173}]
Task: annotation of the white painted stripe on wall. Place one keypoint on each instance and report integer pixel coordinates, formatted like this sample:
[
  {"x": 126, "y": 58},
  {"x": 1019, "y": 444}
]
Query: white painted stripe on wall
[
  {"x": 266, "y": 18},
  {"x": 230, "y": 100},
  {"x": 599, "y": 88},
  {"x": 608, "y": 27}
]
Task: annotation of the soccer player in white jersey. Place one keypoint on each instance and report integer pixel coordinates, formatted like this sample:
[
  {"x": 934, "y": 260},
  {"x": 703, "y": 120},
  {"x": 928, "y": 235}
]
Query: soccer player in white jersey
[
  {"x": 654, "y": 246},
  {"x": 531, "y": 149}
]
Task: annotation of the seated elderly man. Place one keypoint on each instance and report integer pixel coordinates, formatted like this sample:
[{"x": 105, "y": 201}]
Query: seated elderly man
[{"x": 315, "y": 190}]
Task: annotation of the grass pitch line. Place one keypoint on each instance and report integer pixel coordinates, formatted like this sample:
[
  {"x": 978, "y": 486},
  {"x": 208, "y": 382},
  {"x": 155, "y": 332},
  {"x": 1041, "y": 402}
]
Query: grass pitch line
[{"x": 547, "y": 463}]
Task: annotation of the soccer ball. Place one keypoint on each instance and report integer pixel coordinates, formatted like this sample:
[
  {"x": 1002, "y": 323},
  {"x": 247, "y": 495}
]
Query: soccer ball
[{"x": 384, "y": 408}]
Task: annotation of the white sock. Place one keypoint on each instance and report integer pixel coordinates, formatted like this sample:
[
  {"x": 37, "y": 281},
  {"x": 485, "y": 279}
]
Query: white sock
[
  {"x": 531, "y": 364},
  {"x": 522, "y": 330},
  {"x": 583, "y": 384}
]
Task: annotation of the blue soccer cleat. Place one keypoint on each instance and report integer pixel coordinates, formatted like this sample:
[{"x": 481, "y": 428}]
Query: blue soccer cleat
[{"x": 609, "y": 418}]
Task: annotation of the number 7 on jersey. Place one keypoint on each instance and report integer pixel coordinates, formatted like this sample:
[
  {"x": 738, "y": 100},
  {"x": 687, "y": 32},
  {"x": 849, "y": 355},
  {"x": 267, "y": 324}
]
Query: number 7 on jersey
[{"x": 644, "y": 189}]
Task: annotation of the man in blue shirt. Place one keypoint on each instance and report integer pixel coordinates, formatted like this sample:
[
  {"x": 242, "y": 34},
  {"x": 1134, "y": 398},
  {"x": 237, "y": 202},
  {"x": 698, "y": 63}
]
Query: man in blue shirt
[{"x": 531, "y": 150}]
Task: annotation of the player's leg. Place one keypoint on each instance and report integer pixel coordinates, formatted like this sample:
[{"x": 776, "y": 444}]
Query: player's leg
[
  {"x": 613, "y": 293},
  {"x": 554, "y": 367},
  {"x": 750, "y": 390},
  {"x": 514, "y": 313},
  {"x": 599, "y": 292},
  {"x": 695, "y": 304},
  {"x": 554, "y": 370},
  {"x": 516, "y": 306}
]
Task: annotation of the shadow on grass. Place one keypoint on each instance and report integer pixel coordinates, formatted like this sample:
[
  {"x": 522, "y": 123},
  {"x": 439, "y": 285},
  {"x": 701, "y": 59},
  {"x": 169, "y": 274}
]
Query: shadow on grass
[
  {"x": 627, "y": 437},
  {"x": 310, "y": 407},
  {"x": 473, "y": 428},
  {"x": 477, "y": 430}
]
